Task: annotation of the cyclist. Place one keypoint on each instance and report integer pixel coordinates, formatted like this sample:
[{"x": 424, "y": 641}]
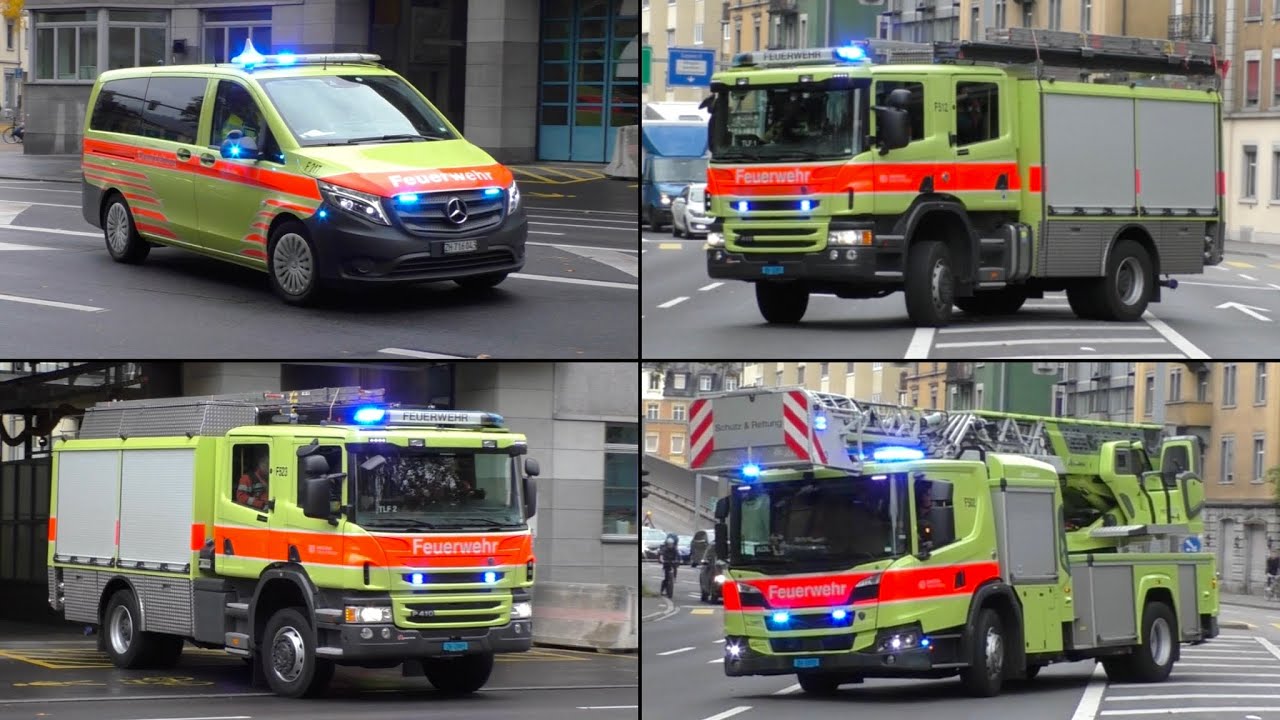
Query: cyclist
[
  {"x": 1273, "y": 569},
  {"x": 669, "y": 555}
]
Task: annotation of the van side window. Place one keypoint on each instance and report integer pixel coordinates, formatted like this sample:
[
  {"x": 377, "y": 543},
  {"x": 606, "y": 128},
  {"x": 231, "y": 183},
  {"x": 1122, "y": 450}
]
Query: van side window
[
  {"x": 235, "y": 109},
  {"x": 172, "y": 110},
  {"x": 915, "y": 106},
  {"x": 251, "y": 475},
  {"x": 977, "y": 112},
  {"x": 334, "y": 455},
  {"x": 119, "y": 106}
]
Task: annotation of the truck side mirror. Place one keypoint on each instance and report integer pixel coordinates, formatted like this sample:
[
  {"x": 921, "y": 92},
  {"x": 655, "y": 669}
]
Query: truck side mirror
[
  {"x": 315, "y": 500},
  {"x": 530, "y": 497},
  {"x": 722, "y": 511},
  {"x": 722, "y": 541},
  {"x": 531, "y": 467},
  {"x": 942, "y": 520},
  {"x": 891, "y": 128}
]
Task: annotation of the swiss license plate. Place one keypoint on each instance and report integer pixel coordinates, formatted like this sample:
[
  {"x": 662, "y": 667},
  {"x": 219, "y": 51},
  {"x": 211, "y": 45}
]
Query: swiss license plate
[
  {"x": 459, "y": 246},
  {"x": 772, "y": 269},
  {"x": 805, "y": 662},
  {"x": 455, "y": 647}
]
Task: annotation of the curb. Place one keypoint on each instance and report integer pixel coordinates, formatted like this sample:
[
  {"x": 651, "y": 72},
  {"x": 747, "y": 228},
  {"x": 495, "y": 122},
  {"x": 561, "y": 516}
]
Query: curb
[
  {"x": 668, "y": 609},
  {"x": 39, "y": 179},
  {"x": 1234, "y": 625}
]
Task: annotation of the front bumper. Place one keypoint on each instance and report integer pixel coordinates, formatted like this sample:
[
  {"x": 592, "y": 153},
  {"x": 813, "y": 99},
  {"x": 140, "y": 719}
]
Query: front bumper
[
  {"x": 658, "y": 215},
  {"x": 903, "y": 662},
  {"x": 697, "y": 224},
  {"x": 354, "y": 250},
  {"x": 516, "y": 636},
  {"x": 880, "y": 264}
]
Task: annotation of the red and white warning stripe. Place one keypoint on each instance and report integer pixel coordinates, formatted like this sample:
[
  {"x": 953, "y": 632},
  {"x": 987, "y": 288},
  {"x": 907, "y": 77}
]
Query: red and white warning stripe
[
  {"x": 795, "y": 426},
  {"x": 701, "y": 436}
]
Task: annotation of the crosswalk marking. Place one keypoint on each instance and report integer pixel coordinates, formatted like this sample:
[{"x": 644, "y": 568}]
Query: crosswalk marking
[{"x": 701, "y": 611}]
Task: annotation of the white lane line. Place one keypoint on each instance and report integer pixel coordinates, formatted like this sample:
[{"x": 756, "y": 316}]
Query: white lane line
[
  {"x": 1050, "y": 341},
  {"x": 921, "y": 341},
  {"x": 1217, "y": 267},
  {"x": 51, "y": 303},
  {"x": 716, "y": 661},
  {"x": 1092, "y": 698},
  {"x": 1222, "y": 285},
  {"x": 187, "y": 696},
  {"x": 541, "y": 232},
  {"x": 789, "y": 689},
  {"x": 1274, "y": 285},
  {"x": 1275, "y": 651},
  {"x": 607, "y": 707},
  {"x": 728, "y": 713},
  {"x": 677, "y": 651},
  {"x": 673, "y": 303},
  {"x": 1248, "y": 277},
  {"x": 55, "y": 231},
  {"x": 584, "y": 247},
  {"x": 1185, "y": 711},
  {"x": 1135, "y": 686},
  {"x": 720, "y": 641},
  {"x": 1026, "y": 328},
  {"x": 16, "y": 246},
  {"x": 574, "y": 281},
  {"x": 1248, "y": 663},
  {"x": 63, "y": 205},
  {"x": 621, "y": 221},
  {"x": 10, "y": 185},
  {"x": 211, "y": 717},
  {"x": 614, "y": 259},
  {"x": 712, "y": 286},
  {"x": 1188, "y": 696},
  {"x": 589, "y": 227},
  {"x": 422, "y": 354},
  {"x": 575, "y": 210},
  {"x": 1173, "y": 336},
  {"x": 1153, "y": 356}
]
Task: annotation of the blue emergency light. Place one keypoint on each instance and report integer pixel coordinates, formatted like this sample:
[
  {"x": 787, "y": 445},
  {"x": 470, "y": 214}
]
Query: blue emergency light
[
  {"x": 820, "y": 422},
  {"x": 492, "y": 192},
  {"x": 781, "y": 618},
  {"x": 839, "y": 615},
  {"x": 894, "y": 453},
  {"x": 249, "y": 57},
  {"x": 750, "y": 470},
  {"x": 806, "y": 205},
  {"x": 491, "y": 577},
  {"x": 742, "y": 206},
  {"x": 853, "y": 53},
  {"x": 286, "y": 58},
  {"x": 370, "y": 415},
  {"x": 407, "y": 199},
  {"x": 416, "y": 578}
]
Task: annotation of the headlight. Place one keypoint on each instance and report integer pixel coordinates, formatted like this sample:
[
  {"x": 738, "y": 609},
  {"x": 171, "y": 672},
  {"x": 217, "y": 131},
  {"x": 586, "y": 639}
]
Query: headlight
[
  {"x": 357, "y": 203},
  {"x": 358, "y": 614},
  {"x": 720, "y": 579},
  {"x": 849, "y": 237},
  {"x": 664, "y": 199},
  {"x": 513, "y": 197},
  {"x": 715, "y": 239},
  {"x": 522, "y": 610}
]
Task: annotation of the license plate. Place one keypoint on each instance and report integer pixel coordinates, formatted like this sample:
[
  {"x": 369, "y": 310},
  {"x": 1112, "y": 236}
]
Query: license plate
[
  {"x": 805, "y": 662},
  {"x": 459, "y": 246},
  {"x": 455, "y": 647},
  {"x": 772, "y": 270}
]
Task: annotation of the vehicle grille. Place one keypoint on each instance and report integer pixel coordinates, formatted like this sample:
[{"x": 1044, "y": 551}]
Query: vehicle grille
[
  {"x": 429, "y": 215},
  {"x": 812, "y": 644},
  {"x": 471, "y": 261}
]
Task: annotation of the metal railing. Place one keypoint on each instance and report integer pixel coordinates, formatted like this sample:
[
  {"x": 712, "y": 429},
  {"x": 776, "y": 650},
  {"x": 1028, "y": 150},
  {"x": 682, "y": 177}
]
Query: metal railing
[{"x": 1197, "y": 28}]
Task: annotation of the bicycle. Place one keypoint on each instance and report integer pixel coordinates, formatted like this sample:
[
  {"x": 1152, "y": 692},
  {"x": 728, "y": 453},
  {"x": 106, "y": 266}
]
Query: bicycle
[
  {"x": 668, "y": 581},
  {"x": 13, "y": 134},
  {"x": 1272, "y": 590}
]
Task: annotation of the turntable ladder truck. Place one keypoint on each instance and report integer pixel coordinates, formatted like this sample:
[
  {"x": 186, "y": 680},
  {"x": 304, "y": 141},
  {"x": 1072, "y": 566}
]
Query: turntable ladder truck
[
  {"x": 872, "y": 540},
  {"x": 299, "y": 530}
]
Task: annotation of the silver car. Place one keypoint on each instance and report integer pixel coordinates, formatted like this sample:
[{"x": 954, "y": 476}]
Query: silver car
[{"x": 689, "y": 212}]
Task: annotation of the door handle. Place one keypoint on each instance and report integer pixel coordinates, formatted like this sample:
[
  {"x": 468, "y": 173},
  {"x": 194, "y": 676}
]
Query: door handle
[
  {"x": 962, "y": 151},
  {"x": 262, "y": 518},
  {"x": 207, "y": 159},
  {"x": 184, "y": 154}
]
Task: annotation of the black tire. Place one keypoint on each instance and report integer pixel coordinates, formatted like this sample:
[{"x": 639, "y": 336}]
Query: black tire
[
  {"x": 782, "y": 303},
  {"x": 126, "y": 644},
  {"x": 1152, "y": 661},
  {"x": 124, "y": 244},
  {"x": 1032, "y": 671},
  {"x": 675, "y": 229},
  {"x": 458, "y": 676},
  {"x": 1083, "y": 301},
  {"x": 1118, "y": 668},
  {"x": 1124, "y": 293},
  {"x": 984, "y": 676},
  {"x": 288, "y": 653},
  {"x": 930, "y": 284},
  {"x": 1004, "y": 301},
  {"x": 292, "y": 266},
  {"x": 654, "y": 225},
  {"x": 820, "y": 683},
  {"x": 481, "y": 282},
  {"x": 165, "y": 651}
]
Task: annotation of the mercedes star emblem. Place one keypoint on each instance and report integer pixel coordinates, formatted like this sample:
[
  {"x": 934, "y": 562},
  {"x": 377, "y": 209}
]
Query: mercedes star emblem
[{"x": 456, "y": 210}]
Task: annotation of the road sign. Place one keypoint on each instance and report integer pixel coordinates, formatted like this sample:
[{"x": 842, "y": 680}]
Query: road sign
[
  {"x": 1191, "y": 544},
  {"x": 646, "y": 59},
  {"x": 690, "y": 67}
]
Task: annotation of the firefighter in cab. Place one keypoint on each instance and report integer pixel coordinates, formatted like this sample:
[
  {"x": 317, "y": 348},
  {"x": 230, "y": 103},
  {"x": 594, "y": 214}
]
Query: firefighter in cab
[{"x": 253, "y": 488}]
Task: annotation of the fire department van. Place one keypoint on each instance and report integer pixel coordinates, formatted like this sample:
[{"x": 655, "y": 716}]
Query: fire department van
[{"x": 314, "y": 168}]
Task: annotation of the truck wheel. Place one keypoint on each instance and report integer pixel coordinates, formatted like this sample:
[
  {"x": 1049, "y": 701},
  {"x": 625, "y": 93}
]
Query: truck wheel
[
  {"x": 124, "y": 244},
  {"x": 782, "y": 303},
  {"x": 985, "y": 673},
  {"x": 996, "y": 302},
  {"x": 929, "y": 284},
  {"x": 127, "y": 646},
  {"x": 289, "y": 656},
  {"x": 820, "y": 683},
  {"x": 675, "y": 227},
  {"x": 1125, "y": 291},
  {"x": 1118, "y": 668},
  {"x": 458, "y": 676},
  {"x": 291, "y": 264},
  {"x": 165, "y": 651},
  {"x": 1152, "y": 661},
  {"x": 1083, "y": 301}
]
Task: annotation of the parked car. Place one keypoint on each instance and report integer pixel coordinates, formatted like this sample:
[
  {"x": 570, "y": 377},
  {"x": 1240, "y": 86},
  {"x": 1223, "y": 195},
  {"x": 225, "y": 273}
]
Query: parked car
[
  {"x": 689, "y": 212},
  {"x": 653, "y": 538},
  {"x": 683, "y": 546},
  {"x": 710, "y": 568}
]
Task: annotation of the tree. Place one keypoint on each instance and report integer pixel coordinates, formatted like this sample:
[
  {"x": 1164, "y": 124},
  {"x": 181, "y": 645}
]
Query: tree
[
  {"x": 1273, "y": 476},
  {"x": 13, "y": 9}
]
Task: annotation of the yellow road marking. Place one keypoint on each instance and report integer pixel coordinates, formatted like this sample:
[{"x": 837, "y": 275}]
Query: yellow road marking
[
  {"x": 1237, "y": 264},
  {"x": 540, "y": 178},
  {"x": 1275, "y": 265},
  {"x": 670, "y": 246},
  {"x": 88, "y": 658},
  {"x": 701, "y": 611}
]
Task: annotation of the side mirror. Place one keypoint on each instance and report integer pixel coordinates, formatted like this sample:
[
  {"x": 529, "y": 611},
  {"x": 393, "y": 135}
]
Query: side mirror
[
  {"x": 531, "y": 467},
  {"x": 314, "y": 466},
  {"x": 722, "y": 512},
  {"x": 315, "y": 500},
  {"x": 373, "y": 463},
  {"x": 309, "y": 448},
  {"x": 722, "y": 541},
  {"x": 892, "y": 128},
  {"x": 239, "y": 147},
  {"x": 530, "y": 497},
  {"x": 943, "y": 523}
]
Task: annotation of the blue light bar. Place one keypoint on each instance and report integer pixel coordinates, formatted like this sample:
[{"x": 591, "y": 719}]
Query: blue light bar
[
  {"x": 820, "y": 422},
  {"x": 750, "y": 470},
  {"x": 407, "y": 199},
  {"x": 839, "y": 615},
  {"x": 416, "y": 578},
  {"x": 492, "y": 192},
  {"x": 742, "y": 206},
  {"x": 893, "y": 453},
  {"x": 249, "y": 57},
  {"x": 852, "y": 53},
  {"x": 370, "y": 415},
  {"x": 781, "y": 618},
  {"x": 491, "y": 577},
  {"x": 806, "y": 205},
  {"x": 286, "y": 58}
]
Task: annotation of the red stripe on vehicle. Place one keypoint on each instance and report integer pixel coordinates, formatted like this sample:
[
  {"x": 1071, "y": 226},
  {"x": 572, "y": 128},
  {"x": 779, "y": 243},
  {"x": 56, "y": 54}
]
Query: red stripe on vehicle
[
  {"x": 154, "y": 230},
  {"x": 702, "y": 437},
  {"x": 197, "y": 536},
  {"x": 861, "y": 177},
  {"x": 114, "y": 182},
  {"x": 289, "y": 206},
  {"x": 789, "y": 417},
  {"x": 1222, "y": 184},
  {"x": 105, "y": 168},
  {"x": 1035, "y": 181},
  {"x": 140, "y": 198},
  {"x": 261, "y": 226},
  {"x": 53, "y": 529},
  {"x": 117, "y": 533},
  {"x": 935, "y": 581},
  {"x": 1137, "y": 181},
  {"x": 896, "y": 585},
  {"x": 144, "y": 212},
  {"x": 256, "y": 239},
  {"x": 254, "y": 253}
]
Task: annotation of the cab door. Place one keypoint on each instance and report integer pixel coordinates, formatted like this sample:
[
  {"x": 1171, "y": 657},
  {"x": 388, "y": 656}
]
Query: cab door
[
  {"x": 981, "y": 136},
  {"x": 926, "y": 165},
  {"x": 164, "y": 204},
  {"x": 314, "y": 541},
  {"x": 244, "y": 542}
]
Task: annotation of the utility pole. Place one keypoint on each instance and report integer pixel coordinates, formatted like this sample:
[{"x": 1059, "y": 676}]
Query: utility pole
[{"x": 1157, "y": 403}]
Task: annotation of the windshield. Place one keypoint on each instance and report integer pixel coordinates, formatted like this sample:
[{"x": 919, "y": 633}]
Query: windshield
[
  {"x": 680, "y": 170},
  {"x": 810, "y": 525},
  {"x": 425, "y": 491},
  {"x": 343, "y": 109},
  {"x": 770, "y": 124}
]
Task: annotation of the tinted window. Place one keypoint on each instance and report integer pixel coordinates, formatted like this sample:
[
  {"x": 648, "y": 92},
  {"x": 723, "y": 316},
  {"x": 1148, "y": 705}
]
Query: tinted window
[
  {"x": 234, "y": 109},
  {"x": 172, "y": 110},
  {"x": 915, "y": 106},
  {"x": 119, "y": 107},
  {"x": 977, "y": 112}
]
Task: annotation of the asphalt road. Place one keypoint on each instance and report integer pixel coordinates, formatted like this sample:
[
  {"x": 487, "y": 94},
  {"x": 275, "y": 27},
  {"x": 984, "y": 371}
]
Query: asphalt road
[
  {"x": 1233, "y": 677},
  {"x": 686, "y": 314},
  {"x": 61, "y": 295},
  {"x": 70, "y": 680}
]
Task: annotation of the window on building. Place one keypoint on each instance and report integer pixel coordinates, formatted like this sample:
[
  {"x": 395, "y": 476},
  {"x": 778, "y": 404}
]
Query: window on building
[
  {"x": 875, "y": 397},
  {"x": 1227, "y": 461},
  {"x": 697, "y": 33},
  {"x": 677, "y": 412},
  {"x": 1149, "y": 398},
  {"x": 1175, "y": 385},
  {"x": 800, "y": 375},
  {"x": 8, "y": 35},
  {"x": 1252, "y": 78},
  {"x": 66, "y": 45},
  {"x": 1275, "y": 77},
  {"x": 1275, "y": 175},
  {"x": 978, "y": 391},
  {"x": 1260, "y": 383},
  {"x": 136, "y": 38},
  {"x": 777, "y": 378},
  {"x": 824, "y": 370},
  {"x": 651, "y": 412},
  {"x": 655, "y": 381},
  {"x": 875, "y": 366},
  {"x": 671, "y": 37},
  {"x": 1229, "y": 385},
  {"x": 1055, "y": 14},
  {"x": 1028, "y": 15},
  {"x": 1259, "y": 458},
  {"x": 933, "y": 397},
  {"x": 1202, "y": 386},
  {"x": 704, "y": 383},
  {"x": 1249, "y": 189},
  {"x": 677, "y": 444},
  {"x": 621, "y": 473},
  {"x": 1086, "y": 15},
  {"x": 680, "y": 381},
  {"x": 975, "y": 23},
  {"x": 731, "y": 383},
  {"x": 724, "y": 27},
  {"x": 651, "y": 443},
  {"x": 1002, "y": 14},
  {"x": 757, "y": 35},
  {"x": 1253, "y": 10},
  {"x": 977, "y": 112}
]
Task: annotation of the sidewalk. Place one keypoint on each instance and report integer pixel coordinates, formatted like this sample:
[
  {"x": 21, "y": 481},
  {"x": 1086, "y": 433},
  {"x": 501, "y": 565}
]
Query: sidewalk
[
  {"x": 14, "y": 165},
  {"x": 1249, "y": 601},
  {"x": 1267, "y": 250}
]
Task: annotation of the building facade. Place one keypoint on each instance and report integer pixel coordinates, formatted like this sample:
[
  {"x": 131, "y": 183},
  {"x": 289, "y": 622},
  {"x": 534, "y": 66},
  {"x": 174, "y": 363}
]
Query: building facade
[
  {"x": 866, "y": 381},
  {"x": 1095, "y": 391},
  {"x": 1005, "y": 386},
  {"x": 821, "y": 23},
  {"x": 924, "y": 385},
  {"x": 11, "y": 64},
  {"x": 666, "y": 391},
  {"x": 684, "y": 24},
  {"x": 524, "y": 79}
]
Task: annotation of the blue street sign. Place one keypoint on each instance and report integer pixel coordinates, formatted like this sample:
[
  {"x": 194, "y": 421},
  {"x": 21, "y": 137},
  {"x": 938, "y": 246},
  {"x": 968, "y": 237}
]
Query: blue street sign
[
  {"x": 690, "y": 67},
  {"x": 1191, "y": 544}
]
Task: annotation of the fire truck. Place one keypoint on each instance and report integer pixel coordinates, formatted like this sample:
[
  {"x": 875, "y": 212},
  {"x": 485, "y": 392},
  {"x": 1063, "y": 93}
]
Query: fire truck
[
  {"x": 975, "y": 174},
  {"x": 876, "y": 541},
  {"x": 299, "y": 530}
]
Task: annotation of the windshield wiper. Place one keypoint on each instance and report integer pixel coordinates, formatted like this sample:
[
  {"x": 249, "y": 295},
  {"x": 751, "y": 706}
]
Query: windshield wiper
[
  {"x": 463, "y": 522},
  {"x": 400, "y": 522},
  {"x": 399, "y": 137}
]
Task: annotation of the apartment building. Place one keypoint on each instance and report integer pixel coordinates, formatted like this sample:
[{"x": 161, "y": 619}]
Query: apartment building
[
  {"x": 667, "y": 390},
  {"x": 665, "y": 24},
  {"x": 1095, "y": 390},
  {"x": 866, "y": 381},
  {"x": 1018, "y": 387},
  {"x": 11, "y": 57},
  {"x": 924, "y": 385}
]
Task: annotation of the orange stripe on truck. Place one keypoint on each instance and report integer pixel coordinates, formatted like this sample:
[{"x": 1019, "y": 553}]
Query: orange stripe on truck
[
  {"x": 105, "y": 168},
  {"x": 896, "y": 585},
  {"x": 53, "y": 529},
  {"x": 197, "y": 536},
  {"x": 768, "y": 180},
  {"x": 424, "y": 551}
]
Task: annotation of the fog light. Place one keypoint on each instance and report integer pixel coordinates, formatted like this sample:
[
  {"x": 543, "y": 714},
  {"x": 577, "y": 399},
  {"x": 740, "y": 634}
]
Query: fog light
[
  {"x": 834, "y": 255},
  {"x": 362, "y": 265},
  {"x": 521, "y": 610},
  {"x": 715, "y": 239},
  {"x": 366, "y": 633},
  {"x": 386, "y": 633},
  {"x": 850, "y": 254}
]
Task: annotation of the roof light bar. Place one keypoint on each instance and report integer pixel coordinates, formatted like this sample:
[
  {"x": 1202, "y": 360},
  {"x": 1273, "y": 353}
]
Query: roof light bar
[
  {"x": 855, "y": 53},
  {"x": 250, "y": 58},
  {"x": 405, "y": 416}
]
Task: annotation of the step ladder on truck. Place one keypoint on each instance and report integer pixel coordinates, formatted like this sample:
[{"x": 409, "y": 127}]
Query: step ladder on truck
[
  {"x": 867, "y": 540},
  {"x": 974, "y": 174},
  {"x": 299, "y": 530}
]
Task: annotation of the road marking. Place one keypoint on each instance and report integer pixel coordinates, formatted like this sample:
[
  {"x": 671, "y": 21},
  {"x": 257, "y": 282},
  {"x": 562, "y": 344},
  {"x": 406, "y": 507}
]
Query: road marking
[
  {"x": 55, "y": 231},
  {"x": 422, "y": 354},
  {"x": 1025, "y": 328},
  {"x": 541, "y": 232},
  {"x": 1189, "y": 696},
  {"x": 1174, "y": 337},
  {"x": 729, "y": 713},
  {"x": 210, "y": 717},
  {"x": 1184, "y": 711},
  {"x": 589, "y": 227},
  {"x": 788, "y": 689},
  {"x": 701, "y": 611},
  {"x": 576, "y": 281},
  {"x": 717, "y": 660},
  {"x": 670, "y": 246},
  {"x": 1270, "y": 647},
  {"x": 1136, "y": 686},
  {"x": 720, "y": 641},
  {"x": 10, "y": 185},
  {"x": 1237, "y": 264},
  {"x": 45, "y": 204},
  {"x": 1248, "y": 277},
  {"x": 1145, "y": 356},
  {"x": 1048, "y": 341},
  {"x": 712, "y": 286},
  {"x": 1092, "y": 698},
  {"x": 921, "y": 341},
  {"x": 15, "y": 246},
  {"x": 629, "y": 223},
  {"x": 1223, "y": 285},
  {"x": 584, "y": 247},
  {"x": 184, "y": 696},
  {"x": 1222, "y": 665},
  {"x": 677, "y": 651},
  {"x": 606, "y": 707},
  {"x": 628, "y": 213},
  {"x": 1246, "y": 309},
  {"x": 51, "y": 303},
  {"x": 673, "y": 303}
]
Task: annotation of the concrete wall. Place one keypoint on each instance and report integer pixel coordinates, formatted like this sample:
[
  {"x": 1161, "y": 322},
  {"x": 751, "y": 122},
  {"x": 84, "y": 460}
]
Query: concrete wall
[
  {"x": 55, "y": 115},
  {"x": 502, "y": 78},
  {"x": 229, "y": 377}
]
